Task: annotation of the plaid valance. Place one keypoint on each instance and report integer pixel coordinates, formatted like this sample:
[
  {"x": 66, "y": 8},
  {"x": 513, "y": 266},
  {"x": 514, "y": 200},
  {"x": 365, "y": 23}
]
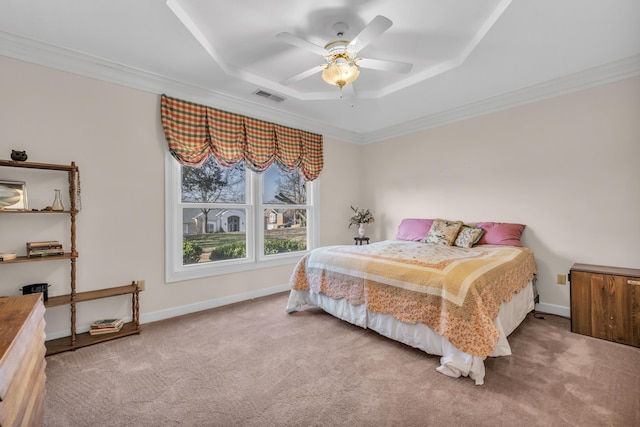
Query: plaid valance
[{"x": 195, "y": 131}]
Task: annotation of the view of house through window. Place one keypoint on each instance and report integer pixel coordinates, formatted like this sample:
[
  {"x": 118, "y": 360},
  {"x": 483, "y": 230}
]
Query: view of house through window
[
  {"x": 232, "y": 213},
  {"x": 284, "y": 196}
]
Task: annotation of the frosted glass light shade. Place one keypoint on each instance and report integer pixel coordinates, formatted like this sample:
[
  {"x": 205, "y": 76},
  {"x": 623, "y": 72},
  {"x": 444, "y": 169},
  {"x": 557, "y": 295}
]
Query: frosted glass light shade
[{"x": 340, "y": 73}]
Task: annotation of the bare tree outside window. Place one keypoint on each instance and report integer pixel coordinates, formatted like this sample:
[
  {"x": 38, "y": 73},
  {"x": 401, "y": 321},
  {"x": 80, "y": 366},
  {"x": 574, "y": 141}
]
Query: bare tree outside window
[
  {"x": 214, "y": 224},
  {"x": 285, "y": 226},
  {"x": 212, "y": 183},
  {"x": 292, "y": 190}
]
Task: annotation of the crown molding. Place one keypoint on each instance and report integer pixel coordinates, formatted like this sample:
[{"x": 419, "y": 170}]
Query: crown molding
[
  {"x": 50, "y": 56},
  {"x": 88, "y": 66},
  {"x": 607, "y": 73}
]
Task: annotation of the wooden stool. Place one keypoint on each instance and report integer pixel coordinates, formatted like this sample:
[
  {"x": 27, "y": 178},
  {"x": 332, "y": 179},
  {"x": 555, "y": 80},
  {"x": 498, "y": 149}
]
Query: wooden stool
[{"x": 359, "y": 240}]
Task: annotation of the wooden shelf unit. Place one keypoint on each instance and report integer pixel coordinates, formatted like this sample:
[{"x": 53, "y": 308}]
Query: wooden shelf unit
[{"x": 75, "y": 340}]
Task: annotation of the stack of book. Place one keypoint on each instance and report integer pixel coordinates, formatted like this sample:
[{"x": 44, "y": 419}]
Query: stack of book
[
  {"x": 7, "y": 256},
  {"x": 106, "y": 326},
  {"x": 40, "y": 249}
]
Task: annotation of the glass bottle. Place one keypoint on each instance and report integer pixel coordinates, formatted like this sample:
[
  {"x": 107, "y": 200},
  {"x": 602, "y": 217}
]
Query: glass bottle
[{"x": 57, "y": 202}]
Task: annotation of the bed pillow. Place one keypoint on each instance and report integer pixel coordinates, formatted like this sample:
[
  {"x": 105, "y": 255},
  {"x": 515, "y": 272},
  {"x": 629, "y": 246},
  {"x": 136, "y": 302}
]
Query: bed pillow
[
  {"x": 443, "y": 232},
  {"x": 501, "y": 233},
  {"x": 413, "y": 229},
  {"x": 468, "y": 236}
]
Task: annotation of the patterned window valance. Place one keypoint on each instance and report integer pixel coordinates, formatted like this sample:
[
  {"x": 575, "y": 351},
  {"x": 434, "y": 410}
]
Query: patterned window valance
[{"x": 194, "y": 132}]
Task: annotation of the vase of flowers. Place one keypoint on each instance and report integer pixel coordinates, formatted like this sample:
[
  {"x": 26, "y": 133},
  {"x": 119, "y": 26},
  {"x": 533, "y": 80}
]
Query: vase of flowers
[{"x": 360, "y": 217}]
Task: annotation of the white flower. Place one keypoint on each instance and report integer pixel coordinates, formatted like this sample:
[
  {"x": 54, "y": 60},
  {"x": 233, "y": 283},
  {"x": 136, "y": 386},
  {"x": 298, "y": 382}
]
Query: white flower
[{"x": 361, "y": 216}]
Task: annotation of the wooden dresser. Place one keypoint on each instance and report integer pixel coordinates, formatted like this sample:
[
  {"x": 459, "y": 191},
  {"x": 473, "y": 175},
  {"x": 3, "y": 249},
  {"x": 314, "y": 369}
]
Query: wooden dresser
[
  {"x": 605, "y": 302},
  {"x": 22, "y": 363}
]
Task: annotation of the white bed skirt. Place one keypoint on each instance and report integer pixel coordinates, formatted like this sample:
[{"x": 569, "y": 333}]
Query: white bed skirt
[{"x": 453, "y": 362}]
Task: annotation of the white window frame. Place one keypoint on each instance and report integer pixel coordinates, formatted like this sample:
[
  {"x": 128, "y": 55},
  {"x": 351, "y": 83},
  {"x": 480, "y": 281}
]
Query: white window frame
[{"x": 174, "y": 269}]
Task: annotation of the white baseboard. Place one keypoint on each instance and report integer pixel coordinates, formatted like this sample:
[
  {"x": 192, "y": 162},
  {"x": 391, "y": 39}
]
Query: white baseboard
[
  {"x": 186, "y": 309},
  {"x": 558, "y": 310},
  {"x": 212, "y": 303}
]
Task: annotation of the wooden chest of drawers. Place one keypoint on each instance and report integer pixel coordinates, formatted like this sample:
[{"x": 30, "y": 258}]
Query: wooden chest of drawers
[
  {"x": 22, "y": 363},
  {"x": 605, "y": 302}
]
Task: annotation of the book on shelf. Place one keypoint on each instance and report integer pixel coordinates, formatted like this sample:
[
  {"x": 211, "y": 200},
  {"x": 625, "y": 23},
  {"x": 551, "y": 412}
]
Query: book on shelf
[
  {"x": 7, "y": 256},
  {"x": 45, "y": 252},
  {"x": 107, "y": 323},
  {"x": 51, "y": 244},
  {"x": 106, "y": 326},
  {"x": 101, "y": 331},
  {"x": 41, "y": 249}
]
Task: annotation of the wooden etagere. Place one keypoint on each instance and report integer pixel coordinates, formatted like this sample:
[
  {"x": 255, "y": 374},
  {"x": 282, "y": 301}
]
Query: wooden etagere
[{"x": 75, "y": 340}]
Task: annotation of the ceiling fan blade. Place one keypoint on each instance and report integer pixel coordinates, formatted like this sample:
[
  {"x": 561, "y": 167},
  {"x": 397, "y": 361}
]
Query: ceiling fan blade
[
  {"x": 375, "y": 28},
  {"x": 300, "y": 42},
  {"x": 378, "y": 64},
  {"x": 303, "y": 75}
]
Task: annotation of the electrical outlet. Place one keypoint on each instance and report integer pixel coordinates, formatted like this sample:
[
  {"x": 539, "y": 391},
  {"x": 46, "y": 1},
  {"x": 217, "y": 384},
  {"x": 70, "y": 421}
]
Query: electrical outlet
[
  {"x": 562, "y": 279},
  {"x": 141, "y": 285}
]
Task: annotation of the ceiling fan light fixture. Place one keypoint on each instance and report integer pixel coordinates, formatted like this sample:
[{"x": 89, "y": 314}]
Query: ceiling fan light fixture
[
  {"x": 340, "y": 72},
  {"x": 341, "y": 56}
]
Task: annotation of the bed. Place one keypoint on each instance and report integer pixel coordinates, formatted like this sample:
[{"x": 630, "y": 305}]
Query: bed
[{"x": 456, "y": 301}]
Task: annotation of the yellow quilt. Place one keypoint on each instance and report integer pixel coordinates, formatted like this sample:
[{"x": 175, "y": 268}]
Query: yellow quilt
[{"x": 457, "y": 292}]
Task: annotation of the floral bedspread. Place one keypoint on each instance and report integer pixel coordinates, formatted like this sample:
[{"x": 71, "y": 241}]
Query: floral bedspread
[{"x": 455, "y": 291}]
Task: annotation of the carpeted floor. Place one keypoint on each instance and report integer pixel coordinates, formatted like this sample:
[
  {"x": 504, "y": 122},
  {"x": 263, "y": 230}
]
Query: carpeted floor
[{"x": 251, "y": 364}]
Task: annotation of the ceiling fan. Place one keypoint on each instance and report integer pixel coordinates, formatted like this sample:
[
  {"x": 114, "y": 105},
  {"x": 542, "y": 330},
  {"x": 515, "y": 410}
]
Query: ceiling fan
[{"x": 342, "y": 64}]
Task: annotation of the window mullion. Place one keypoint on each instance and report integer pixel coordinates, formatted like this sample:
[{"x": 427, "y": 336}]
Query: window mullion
[{"x": 258, "y": 245}]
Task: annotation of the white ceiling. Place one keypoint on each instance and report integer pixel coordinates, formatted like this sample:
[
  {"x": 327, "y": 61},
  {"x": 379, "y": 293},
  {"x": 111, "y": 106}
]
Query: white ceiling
[{"x": 469, "y": 57}]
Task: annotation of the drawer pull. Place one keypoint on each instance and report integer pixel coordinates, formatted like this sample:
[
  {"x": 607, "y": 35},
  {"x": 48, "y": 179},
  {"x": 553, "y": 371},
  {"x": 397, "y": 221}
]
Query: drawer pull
[{"x": 633, "y": 282}]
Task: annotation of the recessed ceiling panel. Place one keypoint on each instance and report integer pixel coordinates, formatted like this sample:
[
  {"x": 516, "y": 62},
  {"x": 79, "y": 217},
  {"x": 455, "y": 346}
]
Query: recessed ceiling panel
[{"x": 435, "y": 37}]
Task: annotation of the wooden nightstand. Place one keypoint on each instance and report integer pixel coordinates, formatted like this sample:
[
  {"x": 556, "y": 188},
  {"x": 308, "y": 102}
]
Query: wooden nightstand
[
  {"x": 605, "y": 302},
  {"x": 361, "y": 240}
]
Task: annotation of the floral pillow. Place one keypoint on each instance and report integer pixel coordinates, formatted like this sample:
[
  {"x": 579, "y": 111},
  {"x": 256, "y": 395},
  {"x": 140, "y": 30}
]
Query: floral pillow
[
  {"x": 443, "y": 232},
  {"x": 468, "y": 236}
]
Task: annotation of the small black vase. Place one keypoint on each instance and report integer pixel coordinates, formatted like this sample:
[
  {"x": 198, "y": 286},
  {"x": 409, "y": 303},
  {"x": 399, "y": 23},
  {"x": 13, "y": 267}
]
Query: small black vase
[{"x": 19, "y": 156}]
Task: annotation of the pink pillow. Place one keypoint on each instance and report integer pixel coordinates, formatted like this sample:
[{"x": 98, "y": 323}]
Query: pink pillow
[
  {"x": 414, "y": 230},
  {"x": 500, "y": 233}
]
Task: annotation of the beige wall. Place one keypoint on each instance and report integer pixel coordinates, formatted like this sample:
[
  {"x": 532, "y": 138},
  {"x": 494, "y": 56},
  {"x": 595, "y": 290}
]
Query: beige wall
[
  {"x": 567, "y": 167},
  {"x": 114, "y": 135}
]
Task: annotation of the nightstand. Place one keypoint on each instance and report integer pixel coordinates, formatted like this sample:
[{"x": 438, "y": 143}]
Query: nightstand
[
  {"x": 605, "y": 301},
  {"x": 361, "y": 240}
]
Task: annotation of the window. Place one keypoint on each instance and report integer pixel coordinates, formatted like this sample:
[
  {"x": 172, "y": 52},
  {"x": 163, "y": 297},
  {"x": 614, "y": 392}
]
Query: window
[{"x": 224, "y": 220}]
